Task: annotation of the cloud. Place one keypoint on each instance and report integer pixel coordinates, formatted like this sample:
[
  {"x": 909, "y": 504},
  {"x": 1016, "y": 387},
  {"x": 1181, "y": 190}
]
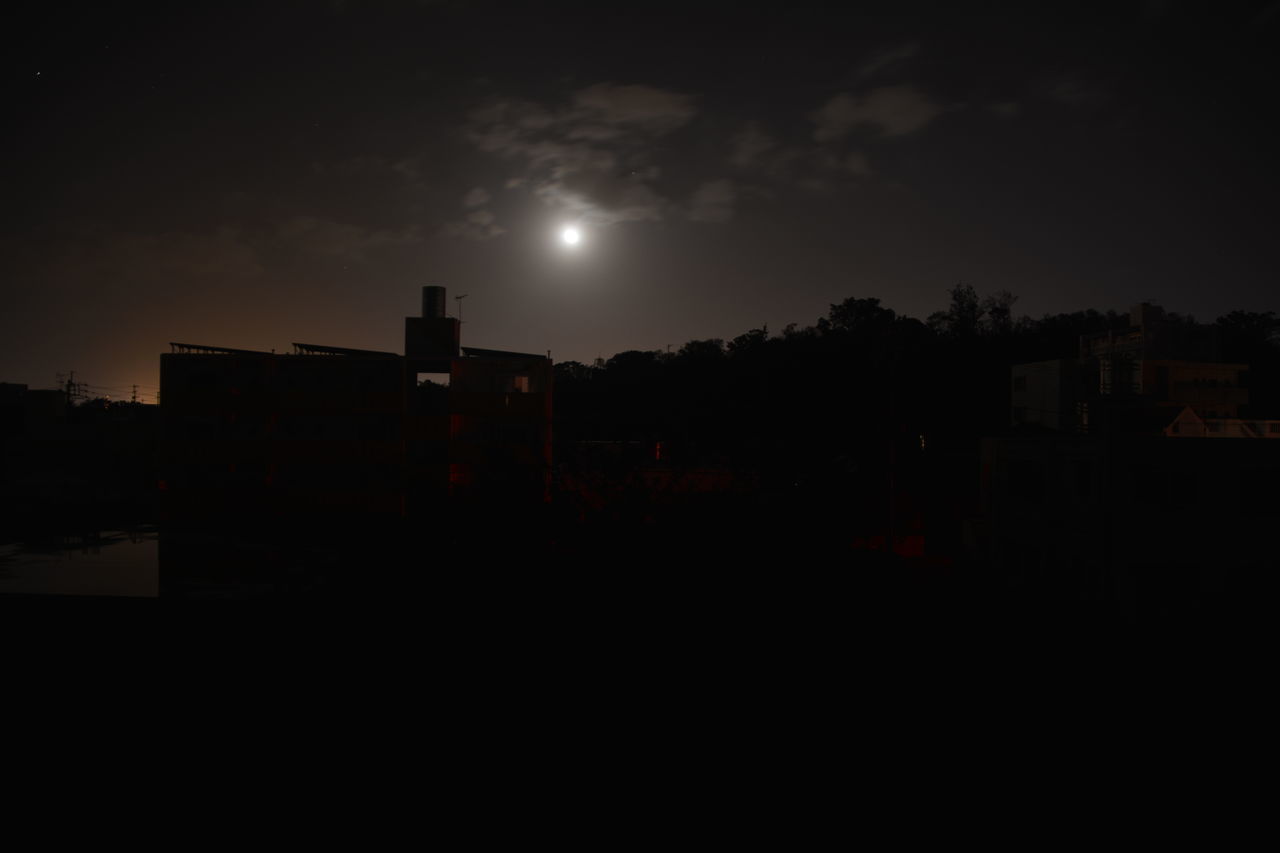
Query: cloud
[
  {"x": 479, "y": 224},
  {"x": 887, "y": 59},
  {"x": 410, "y": 168},
  {"x": 601, "y": 198},
  {"x": 888, "y": 110},
  {"x": 477, "y": 197},
  {"x": 590, "y": 157},
  {"x": 759, "y": 156},
  {"x": 855, "y": 163},
  {"x": 654, "y": 110},
  {"x": 712, "y": 202},
  {"x": 748, "y": 147}
]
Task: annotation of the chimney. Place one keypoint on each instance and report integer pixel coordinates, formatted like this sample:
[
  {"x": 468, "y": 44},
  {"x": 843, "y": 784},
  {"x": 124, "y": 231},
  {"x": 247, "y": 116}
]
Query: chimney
[
  {"x": 431, "y": 339},
  {"x": 433, "y": 302}
]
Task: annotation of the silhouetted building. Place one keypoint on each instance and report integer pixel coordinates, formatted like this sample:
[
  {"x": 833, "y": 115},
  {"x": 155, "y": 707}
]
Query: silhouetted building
[
  {"x": 1047, "y": 394},
  {"x": 1134, "y": 381},
  {"x": 263, "y": 432},
  {"x": 355, "y": 431},
  {"x": 12, "y": 404},
  {"x": 431, "y": 341},
  {"x": 500, "y": 425},
  {"x": 1101, "y": 504}
]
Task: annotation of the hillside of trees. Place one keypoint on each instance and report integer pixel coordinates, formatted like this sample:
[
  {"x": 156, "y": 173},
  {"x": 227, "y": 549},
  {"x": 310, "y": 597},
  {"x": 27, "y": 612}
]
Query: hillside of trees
[{"x": 814, "y": 397}]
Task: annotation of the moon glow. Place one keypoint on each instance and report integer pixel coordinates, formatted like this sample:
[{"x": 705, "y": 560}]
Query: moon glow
[{"x": 571, "y": 236}]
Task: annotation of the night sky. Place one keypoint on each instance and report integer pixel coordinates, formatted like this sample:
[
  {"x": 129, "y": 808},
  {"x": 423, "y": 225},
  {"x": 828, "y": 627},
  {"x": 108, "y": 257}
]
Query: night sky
[{"x": 250, "y": 176}]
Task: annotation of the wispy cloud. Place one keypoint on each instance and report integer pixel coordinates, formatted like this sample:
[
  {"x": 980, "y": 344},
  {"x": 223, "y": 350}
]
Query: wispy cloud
[
  {"x": 887, "y": 60},
  {"x": 590, "y": 158},
  {"x": 750, "y": 146},
  {"x": 887, "y": 111},
  {"x": 479, "y": 222},
  {"x": 712, "y": 202},
  {"x": 758, "y": 156}
]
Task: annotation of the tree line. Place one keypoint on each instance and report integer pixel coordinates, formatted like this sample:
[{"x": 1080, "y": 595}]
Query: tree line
[{"x": 856, "y": 379}]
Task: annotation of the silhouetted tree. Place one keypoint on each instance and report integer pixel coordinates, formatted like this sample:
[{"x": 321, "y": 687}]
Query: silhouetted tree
[
  {"x": 701, "y": 352},
  {"x": 750, "y": 343},
  {"x": 1253, "y": 338},
  {"x": 997, "y": 311},
  {"x": 573, "y": 373},
  {"x": 1248, "y": 334},
  {"x": 854, "y": 315},
  {"x": 963, "y": 317}
]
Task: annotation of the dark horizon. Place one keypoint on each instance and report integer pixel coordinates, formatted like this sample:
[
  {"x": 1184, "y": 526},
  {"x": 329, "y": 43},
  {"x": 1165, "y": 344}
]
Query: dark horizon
[
  {"x": 249, "y": 177},
  {"x": 868, "y": 466}
]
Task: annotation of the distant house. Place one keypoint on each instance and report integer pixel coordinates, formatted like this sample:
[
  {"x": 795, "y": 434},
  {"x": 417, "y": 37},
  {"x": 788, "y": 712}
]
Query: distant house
[
  {"x": 1088, "y": 499},
  {"x": 1189, "y": 424},
  {"x": 1134, "y": 381}
]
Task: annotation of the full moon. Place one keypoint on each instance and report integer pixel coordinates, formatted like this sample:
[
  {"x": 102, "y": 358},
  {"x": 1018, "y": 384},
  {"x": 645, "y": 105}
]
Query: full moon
[{"x": 571, "y": 236}]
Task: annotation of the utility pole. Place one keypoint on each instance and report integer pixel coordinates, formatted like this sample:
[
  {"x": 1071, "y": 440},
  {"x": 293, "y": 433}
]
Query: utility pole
[
  {"x": 72, "y": 388},
  {"x": 134, "y": 398},
  {"x": 459, "y": 299}
]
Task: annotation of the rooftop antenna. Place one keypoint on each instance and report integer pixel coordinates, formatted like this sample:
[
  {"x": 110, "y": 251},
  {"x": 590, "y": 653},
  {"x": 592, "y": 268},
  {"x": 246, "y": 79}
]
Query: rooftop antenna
[{"x": 459, "y": 299}]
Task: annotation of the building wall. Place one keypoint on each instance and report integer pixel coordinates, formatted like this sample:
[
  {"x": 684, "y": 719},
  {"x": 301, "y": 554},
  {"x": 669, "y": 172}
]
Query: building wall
[
  {"x": 282, "y": 433},
  {"x": 1043, "y": 394},
  {"x": 500, "y": 427},
  {"x": 1213, "y": 390},
  {"x": 275, "y": 434}
]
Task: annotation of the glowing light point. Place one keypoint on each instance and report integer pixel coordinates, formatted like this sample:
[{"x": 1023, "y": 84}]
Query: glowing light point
[{"x": 571, "y": 236}]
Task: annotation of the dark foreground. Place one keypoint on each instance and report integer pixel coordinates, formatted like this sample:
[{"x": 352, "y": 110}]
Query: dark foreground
[{"x": 770, "y": 569}]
